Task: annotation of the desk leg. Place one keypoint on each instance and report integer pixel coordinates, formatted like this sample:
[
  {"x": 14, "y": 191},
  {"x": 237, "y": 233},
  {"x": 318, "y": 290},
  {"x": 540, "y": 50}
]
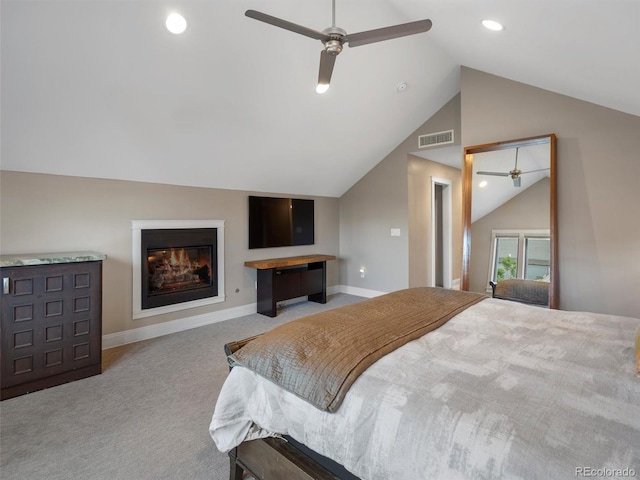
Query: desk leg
[
  {"x": 265, "y": 296},
  {"x": 320, "y": 297}
]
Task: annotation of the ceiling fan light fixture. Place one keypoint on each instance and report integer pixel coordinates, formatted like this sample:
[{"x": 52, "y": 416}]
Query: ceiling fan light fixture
[
  {"x": 176, "y": 23},
  {"x": 333, "y": 47},
  {"x": 322, "y": 88},
  {"x": 493, "y": 25}
]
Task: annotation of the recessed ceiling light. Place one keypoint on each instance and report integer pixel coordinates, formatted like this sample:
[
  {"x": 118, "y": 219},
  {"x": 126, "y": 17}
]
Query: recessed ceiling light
[
  {"x": 482, "y": 184},
  {"x": 493, "y": 25},
  {"x": 176, "y": 23}
]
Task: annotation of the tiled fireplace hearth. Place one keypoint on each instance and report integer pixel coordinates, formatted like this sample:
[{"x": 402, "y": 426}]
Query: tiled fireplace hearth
[{"x": 177, "y": 264}]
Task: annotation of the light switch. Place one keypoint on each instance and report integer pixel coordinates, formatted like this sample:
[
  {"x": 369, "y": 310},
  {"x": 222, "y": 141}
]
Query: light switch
[{"x": 395, "y": 232}]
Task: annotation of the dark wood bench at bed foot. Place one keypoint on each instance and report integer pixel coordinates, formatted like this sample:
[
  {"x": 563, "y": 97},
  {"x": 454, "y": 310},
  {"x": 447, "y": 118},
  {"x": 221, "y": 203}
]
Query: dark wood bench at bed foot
[
  {"x": 277, "y": 458},
  {"x": 274, "y": 459}
]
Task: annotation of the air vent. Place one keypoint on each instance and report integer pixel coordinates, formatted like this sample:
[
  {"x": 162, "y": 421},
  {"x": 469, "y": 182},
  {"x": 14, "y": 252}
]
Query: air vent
[{"x": 438, "y": 138}]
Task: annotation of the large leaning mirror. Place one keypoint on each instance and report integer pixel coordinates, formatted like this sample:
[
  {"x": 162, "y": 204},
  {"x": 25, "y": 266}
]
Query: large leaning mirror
[{"x": 510, "y": 226}]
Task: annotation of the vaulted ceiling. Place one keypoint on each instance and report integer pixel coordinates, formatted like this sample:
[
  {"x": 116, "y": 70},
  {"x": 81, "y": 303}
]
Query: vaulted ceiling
[{"x": 100, "y": 88}]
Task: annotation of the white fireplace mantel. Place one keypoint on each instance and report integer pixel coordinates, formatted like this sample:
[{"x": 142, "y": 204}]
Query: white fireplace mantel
[{"x": 136, "y": 230}]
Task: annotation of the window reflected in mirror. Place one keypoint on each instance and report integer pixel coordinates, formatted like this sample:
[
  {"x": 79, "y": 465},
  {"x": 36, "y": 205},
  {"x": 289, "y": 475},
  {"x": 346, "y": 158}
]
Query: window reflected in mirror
[{"x": 519, "y": 254}]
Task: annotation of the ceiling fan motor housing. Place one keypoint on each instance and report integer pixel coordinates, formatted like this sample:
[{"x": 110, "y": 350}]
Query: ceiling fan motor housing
[{"x": 337, "y": 36}]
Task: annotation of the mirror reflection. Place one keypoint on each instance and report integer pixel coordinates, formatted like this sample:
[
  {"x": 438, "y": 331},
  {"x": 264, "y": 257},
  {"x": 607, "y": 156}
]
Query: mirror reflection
[{"x": 509, "y": 242}]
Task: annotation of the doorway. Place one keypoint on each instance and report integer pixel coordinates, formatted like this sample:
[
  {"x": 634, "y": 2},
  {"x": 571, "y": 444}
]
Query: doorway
[{"x": 441, "y": 232}]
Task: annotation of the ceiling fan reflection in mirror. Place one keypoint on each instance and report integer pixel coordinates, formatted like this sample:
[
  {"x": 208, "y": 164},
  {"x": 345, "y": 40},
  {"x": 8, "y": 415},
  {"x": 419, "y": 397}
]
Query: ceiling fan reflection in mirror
[
  {"x": 514, "y": 174},
  {"x": 334, "y": 38}
]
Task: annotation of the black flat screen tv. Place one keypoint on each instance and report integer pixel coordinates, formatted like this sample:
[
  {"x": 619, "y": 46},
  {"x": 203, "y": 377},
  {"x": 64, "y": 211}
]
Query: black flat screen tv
[{"x": 280, "y": 222}]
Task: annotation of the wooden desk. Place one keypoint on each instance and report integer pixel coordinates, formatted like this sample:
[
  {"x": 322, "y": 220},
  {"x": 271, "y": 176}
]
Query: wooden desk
[{"x": 290, "y": 277}]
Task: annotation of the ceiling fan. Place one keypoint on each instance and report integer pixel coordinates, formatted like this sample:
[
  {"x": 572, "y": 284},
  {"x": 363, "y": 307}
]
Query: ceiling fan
[
  {"x": 514, "y": 174},
  {"x": 334, "y": 38}
]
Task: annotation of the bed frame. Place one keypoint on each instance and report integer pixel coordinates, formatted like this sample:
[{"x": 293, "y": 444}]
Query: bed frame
[{"x": 280, "y": 458}]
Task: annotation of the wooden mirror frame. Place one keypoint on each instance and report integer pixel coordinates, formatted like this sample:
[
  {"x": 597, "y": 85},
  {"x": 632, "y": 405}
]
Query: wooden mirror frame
[{"x": 467, "y": 182}]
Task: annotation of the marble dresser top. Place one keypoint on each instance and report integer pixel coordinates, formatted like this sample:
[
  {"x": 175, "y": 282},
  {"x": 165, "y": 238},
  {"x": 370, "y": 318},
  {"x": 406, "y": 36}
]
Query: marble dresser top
[{"x": 48, "y": 258}]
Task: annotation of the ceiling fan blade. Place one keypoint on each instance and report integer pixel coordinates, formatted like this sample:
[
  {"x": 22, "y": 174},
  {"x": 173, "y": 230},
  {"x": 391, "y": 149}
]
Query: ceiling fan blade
[
  {"x": 292, "y": 27},
  {"x": 516, "y": 182},
  {"x": 327, "y": 62},
  {"x": 538, "y": 170},
  {"x": 497, "y": 174},
  {"x": 387, "y": 33}
]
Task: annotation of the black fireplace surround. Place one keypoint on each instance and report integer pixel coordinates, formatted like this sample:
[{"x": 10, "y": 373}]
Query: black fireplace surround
[{"x": 178, "y": 265}]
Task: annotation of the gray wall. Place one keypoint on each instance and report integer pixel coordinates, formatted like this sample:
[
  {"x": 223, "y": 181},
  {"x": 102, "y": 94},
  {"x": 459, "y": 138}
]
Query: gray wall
[
  {"x": 598, "y": 199},
  {"x": 598, "y": 193},
  {"x": 50, "y": 213},
  {"x": 598, "y": 183},
  {"x": 380, "y": 201}
]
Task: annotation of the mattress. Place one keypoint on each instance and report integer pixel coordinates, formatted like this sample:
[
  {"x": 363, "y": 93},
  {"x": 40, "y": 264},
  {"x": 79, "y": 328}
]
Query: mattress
[{"x": 502, "y": 390}]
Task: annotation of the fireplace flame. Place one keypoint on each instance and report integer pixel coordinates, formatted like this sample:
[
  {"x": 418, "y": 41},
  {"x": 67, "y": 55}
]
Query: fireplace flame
[
  {"x": 179, "y": 261},
  {"x": 174, "y": 269}
]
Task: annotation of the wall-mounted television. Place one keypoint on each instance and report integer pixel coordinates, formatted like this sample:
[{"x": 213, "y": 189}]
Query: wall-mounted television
[{"x": 280, "y": 222}]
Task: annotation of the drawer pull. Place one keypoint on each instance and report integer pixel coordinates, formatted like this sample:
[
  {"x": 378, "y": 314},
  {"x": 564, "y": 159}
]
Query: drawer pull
[{"x": 5, "y": 285}]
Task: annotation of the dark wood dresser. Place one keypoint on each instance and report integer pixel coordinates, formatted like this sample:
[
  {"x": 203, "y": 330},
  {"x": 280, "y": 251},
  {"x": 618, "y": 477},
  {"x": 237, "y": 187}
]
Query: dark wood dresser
[{"x": 51, "y": 326}]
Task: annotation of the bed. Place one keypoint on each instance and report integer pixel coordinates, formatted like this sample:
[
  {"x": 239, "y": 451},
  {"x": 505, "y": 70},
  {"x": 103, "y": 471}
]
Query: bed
[
  {"x": 499, "y": 390},
  {"x": 532, "y": 292}
]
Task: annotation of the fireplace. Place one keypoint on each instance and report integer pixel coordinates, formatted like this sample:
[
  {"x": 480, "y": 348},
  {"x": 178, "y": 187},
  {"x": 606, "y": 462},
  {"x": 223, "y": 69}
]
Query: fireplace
[{"x": 178, "y": 265}]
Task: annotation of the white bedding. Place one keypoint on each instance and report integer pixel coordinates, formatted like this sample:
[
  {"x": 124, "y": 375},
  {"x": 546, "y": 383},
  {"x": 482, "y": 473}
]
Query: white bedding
[{"x": 503, "y": 390}]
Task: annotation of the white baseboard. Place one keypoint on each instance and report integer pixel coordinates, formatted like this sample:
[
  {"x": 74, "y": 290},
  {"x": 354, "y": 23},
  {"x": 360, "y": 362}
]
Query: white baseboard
[
  {"x": 174, "y": 326},
  {"x": 360, "y": 292}
]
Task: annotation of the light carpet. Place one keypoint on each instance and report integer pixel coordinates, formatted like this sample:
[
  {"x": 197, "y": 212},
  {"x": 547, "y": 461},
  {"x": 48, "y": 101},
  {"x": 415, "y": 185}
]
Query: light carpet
[{"x": 145, "y": 417}]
